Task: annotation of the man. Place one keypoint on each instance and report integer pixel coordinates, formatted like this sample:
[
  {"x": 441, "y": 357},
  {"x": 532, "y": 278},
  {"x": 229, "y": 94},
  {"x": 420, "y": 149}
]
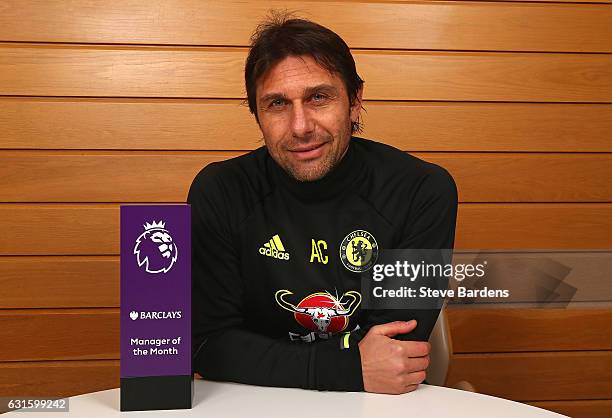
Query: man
[{"x": 281, "y": 234}]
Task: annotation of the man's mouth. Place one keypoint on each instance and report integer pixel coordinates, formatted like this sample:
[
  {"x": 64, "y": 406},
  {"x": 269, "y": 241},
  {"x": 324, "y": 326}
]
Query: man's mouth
[{"x": 308, "y": 152}]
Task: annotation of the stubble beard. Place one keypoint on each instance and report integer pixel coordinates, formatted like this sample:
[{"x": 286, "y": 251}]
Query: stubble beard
[{"x": 311, "y": 171}]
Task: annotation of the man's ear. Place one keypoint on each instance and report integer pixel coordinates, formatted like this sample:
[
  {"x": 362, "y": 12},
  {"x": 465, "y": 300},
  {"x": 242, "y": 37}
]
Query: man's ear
[{"x": 356, "y": 105}]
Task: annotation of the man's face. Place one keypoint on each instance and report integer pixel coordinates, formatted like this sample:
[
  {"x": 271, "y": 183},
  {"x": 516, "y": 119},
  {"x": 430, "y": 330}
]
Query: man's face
[{"x": 305, "y": 116}]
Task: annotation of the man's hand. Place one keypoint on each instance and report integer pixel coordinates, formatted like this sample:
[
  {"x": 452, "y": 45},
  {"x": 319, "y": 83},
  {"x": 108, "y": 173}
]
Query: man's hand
[{"x": 392, "y": 366}]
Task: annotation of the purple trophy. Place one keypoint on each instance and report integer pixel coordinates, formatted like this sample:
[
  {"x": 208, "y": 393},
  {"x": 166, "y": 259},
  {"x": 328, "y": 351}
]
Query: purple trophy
[{"x": 156, "y": 307}]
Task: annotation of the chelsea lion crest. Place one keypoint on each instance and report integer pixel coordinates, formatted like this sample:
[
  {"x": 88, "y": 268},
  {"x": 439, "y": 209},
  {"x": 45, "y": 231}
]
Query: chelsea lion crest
[{"x": 358, "y": 251}]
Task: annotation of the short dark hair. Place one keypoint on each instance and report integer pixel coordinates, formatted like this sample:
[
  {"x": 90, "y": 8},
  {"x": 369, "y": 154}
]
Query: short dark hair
[{"x": 281, "y": 36}]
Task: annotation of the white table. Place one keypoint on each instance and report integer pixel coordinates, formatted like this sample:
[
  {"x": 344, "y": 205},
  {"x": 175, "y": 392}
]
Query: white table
[{"x": 214, "y": 399}]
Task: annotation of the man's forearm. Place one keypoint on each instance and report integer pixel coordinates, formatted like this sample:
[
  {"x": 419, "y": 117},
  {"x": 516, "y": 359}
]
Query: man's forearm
[{"x": 242, "y": 356}]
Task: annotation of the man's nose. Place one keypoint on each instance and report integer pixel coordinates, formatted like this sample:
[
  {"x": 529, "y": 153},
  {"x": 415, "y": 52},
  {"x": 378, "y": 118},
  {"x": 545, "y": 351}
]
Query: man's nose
[{"x": 302, "y": 122}]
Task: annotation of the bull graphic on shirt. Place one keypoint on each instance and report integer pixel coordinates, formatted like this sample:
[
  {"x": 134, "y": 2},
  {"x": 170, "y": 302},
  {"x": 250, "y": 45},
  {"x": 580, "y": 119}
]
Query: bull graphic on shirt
[{"x": 321, "y": 312}]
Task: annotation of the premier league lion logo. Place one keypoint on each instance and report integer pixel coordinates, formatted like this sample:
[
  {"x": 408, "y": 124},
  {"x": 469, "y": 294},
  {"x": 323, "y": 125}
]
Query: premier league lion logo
[{"x": 155, "y": 248}]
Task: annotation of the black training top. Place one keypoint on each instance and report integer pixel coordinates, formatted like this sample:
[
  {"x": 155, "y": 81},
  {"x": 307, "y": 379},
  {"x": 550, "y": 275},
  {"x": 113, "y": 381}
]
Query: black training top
[{"x": 277, "y": 262}]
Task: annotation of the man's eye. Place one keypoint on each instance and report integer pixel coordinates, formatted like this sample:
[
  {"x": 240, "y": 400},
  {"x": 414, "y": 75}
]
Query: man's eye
[
  {"x": 276, "y": 103},
  {"x": 317, "y": 97}
]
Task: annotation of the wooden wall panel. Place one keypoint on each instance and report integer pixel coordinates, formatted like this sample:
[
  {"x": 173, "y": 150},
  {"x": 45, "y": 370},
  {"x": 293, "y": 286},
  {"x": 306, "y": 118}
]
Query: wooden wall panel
[
  {"x": 201, "y": 124},
  {"x": 463, "y": 126},
  {"x": 65, "y": 334},
  {"x": 62, "y": 334},
  {"x": 57, "y": 378},
  {"x": 155, "y": 124},
  {"x": 516, "y": 177},
  {"x": 93, "y": 229},
  {"x": 513, "y": 97},
  {"x": 75, "y": 281},
  {"x": 537, "y": 225},
  {"x": 598, "y": 408},
  {"x": 509, "y": 330},
  {"x": 62, "y": 70},
  {"x": 374, "y": 24},
  {"x": 537, "y": 376},
  {"x": 59, "y": 282},
  {"x": 59, "y": 229},
  {"x": 542, "y": 1},
  {"x": 71, "y": 176}
]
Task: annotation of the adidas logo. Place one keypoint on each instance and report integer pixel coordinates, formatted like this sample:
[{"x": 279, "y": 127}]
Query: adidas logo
[{"x": 274, "y": 248}]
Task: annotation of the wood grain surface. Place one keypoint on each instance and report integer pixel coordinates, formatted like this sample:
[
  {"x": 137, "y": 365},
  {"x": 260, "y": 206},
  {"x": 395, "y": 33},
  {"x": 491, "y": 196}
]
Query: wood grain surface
[
  {"x": 201, "y": 124},
  {"x": 78, "y": 176},
  {"x": 211, "y": 72},
  {"x": 514, "y": 98},
  {"x": 500, "y": 26}
]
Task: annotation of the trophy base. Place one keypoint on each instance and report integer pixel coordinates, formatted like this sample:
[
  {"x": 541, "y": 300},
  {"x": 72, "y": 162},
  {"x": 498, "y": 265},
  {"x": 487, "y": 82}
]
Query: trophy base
[{"x": 156, "y": 392}]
